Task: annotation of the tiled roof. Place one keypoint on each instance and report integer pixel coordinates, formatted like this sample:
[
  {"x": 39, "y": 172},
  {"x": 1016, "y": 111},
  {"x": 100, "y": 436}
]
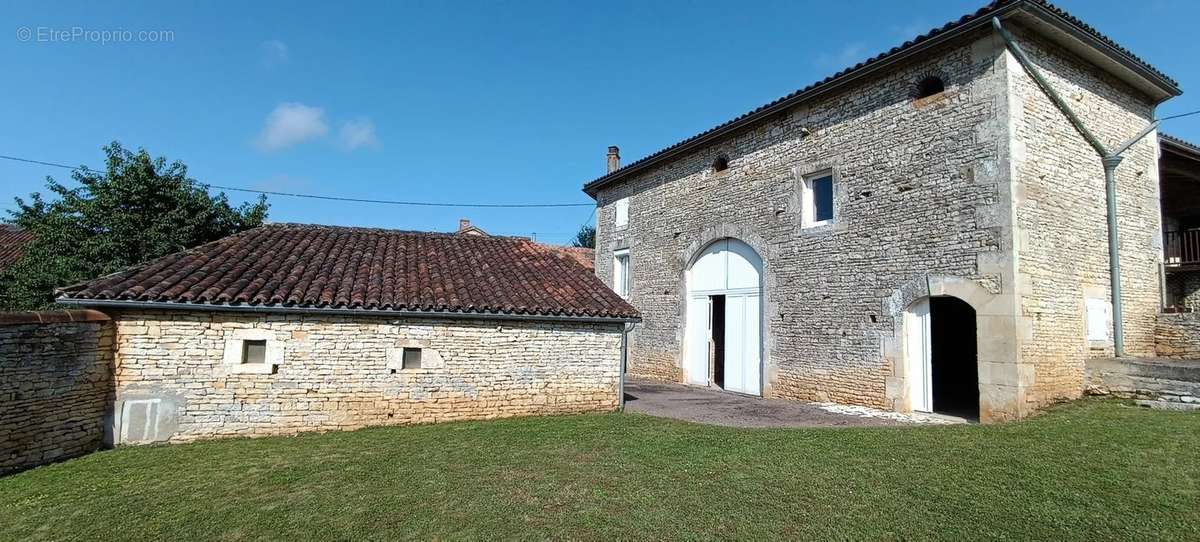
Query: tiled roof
[
  {"x": 330, "y": 267},
  {"x": 12, "y": 244},
  {"x": 1180, "y": 143},
  {"x": 963, "y": 24},
  {"x": 585, "y": 256}
]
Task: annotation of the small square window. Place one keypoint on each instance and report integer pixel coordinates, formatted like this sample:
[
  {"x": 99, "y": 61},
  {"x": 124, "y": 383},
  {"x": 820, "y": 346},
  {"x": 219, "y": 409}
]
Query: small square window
[
  {"x": 254, "y": 352},
  {"x": 412, "y": 358},
  {"x": 818, "y": 200}
]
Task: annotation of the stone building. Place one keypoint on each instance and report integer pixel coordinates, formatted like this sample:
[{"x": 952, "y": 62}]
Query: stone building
[
  {"x": 288, "y": 328},
  {"x": 925, "y": 230},
  {"x": 1179, "y": 173}
]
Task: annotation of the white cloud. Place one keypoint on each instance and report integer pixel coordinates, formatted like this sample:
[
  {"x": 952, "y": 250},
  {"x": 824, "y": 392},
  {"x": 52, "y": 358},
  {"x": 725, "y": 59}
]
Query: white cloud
[
  {"x": 358, "y": 133},
  {"x": 291, "y": 124},
  {"x": 274, "y": 53}
]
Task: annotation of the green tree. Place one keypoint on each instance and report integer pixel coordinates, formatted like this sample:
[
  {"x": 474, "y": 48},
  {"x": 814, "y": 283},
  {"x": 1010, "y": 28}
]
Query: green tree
[
  {"x": 585, "y": 237},
  {"x": 141, "y": 208}
]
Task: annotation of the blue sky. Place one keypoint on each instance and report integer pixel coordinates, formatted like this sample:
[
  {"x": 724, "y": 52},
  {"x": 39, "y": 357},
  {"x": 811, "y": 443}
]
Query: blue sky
[{"x": 496, "y": 102}]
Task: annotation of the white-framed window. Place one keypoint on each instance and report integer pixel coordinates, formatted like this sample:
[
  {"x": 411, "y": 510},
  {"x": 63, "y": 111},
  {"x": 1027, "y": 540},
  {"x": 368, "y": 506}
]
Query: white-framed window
[
  {"x": 621, "y": 272},
  {"x": 622, "y": 209},
  {"x": 252, "y": 351},
  {"x": 818, "y": 201}
]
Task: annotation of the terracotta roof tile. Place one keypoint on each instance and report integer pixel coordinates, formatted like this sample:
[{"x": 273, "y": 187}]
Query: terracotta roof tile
[
  {"x": 12, "y": 244},
  {"x": 310, "y": 266},
  {"x": 585, "y": 256}
]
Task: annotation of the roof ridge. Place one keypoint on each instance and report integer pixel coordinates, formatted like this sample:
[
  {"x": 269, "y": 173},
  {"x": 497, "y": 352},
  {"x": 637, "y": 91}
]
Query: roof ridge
[
  {"x": 993, "y": 8},
  {"x": 375, "y": 229}
]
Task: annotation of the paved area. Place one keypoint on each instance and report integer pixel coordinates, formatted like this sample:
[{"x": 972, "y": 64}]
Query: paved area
[{"x": 716, "y": 407}]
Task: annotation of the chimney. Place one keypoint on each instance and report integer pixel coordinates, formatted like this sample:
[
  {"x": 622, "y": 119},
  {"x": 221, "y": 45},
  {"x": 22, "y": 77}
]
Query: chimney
[
  {"x": 614, "y": 158},
  {"x": 464, "y": 224}
]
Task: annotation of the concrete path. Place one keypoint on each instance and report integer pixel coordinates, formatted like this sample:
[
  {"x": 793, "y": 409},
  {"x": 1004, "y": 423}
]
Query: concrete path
[{"x": 716, "y": 407}]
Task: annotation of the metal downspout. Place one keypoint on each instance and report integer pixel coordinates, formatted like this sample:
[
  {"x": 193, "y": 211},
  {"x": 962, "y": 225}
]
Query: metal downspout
[
  {"x": 625, "y": 329},
  {"x": 1114, "y": 259},
  {"x": 1110, "y": 160}
]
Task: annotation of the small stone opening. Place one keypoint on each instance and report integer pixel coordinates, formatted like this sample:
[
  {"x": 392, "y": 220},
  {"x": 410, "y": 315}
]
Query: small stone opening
[
  {"x": 411, "y": 358},
  {"x": 254, "y": 352},
  {"x": 721, "y": 163},
  {"x": 929, "y": 86}
]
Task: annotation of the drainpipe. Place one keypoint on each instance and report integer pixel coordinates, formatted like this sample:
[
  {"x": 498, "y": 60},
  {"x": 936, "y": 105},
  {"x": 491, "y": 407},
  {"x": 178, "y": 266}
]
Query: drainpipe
[
  {"x": 625, "y": 329},
  {"x": 1114, "y": 260},
  {"x": 1110, "y": 160}
]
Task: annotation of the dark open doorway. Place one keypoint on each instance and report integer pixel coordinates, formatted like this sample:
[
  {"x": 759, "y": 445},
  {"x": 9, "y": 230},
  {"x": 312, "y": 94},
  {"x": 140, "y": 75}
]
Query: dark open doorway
[
  {"x": 718, "y": 339},
  {"x": 953, "y": 352}
]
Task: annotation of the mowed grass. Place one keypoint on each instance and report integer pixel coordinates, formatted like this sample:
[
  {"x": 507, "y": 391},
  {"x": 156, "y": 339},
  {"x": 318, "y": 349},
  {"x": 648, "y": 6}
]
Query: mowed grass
[{"x": 1090, "y": 470}]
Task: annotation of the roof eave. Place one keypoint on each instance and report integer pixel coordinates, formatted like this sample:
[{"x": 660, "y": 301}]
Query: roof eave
[
  {"x": 1085, "y": 44},
  {"x": 1178, "y": 146},
  {"x": 451, "y": 315}
]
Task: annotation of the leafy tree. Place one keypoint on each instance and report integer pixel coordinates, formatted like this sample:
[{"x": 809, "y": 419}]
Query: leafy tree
[
  {"x": 585, "y": 237},
  {"x": 141, "y": 208}
]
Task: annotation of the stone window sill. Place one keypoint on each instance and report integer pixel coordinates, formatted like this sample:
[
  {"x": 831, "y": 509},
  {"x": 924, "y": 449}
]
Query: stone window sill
[{"x": 252, "y": 368}]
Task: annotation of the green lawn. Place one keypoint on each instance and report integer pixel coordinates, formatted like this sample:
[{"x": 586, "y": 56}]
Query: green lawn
[{"x": 1091, "y": 470}]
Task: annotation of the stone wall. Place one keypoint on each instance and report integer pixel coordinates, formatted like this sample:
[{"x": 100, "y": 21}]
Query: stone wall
[
  {"x": 176, "y": 381},
  {"x": 54, "y": 385},
  {"x": 1178, "y": 335},
  {"x": 1062, "y": 248},
  {"x": 920, "y": 191}
]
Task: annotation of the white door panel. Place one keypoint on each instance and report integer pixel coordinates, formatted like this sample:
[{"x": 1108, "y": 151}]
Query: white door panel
[
  {"x": 696, "y": 353},
  {"x": 735, "y": 342},
  {"x": 752, "y": 359},
  {"x": 742, "y": 366},
  {"x": 741, "y": 266},
  {"x": 917, "y": 356}
]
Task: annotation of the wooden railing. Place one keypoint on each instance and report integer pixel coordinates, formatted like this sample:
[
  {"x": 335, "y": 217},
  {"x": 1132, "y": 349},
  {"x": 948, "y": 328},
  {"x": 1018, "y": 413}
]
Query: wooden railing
[{"x": 1181, "y": 247}]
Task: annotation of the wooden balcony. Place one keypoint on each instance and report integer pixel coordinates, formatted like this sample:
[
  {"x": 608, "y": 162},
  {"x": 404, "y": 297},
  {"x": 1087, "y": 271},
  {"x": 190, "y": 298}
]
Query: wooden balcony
[{"x": 1181, "y": 250}]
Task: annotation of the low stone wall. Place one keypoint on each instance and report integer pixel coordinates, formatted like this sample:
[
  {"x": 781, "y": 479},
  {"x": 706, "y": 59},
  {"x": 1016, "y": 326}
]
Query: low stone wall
[
  {"x": 179, "y": 375},
  {"x": 54, "y": 385},
  {"x": 1177, "y": 335},
  {"x": 1155, "y": 379}
]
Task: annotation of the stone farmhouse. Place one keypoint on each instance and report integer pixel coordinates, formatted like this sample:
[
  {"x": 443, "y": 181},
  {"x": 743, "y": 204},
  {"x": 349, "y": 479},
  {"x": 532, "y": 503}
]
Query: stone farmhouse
[
  {"x": 924, "y": 231},
  {"x": 288, "y": 328}
]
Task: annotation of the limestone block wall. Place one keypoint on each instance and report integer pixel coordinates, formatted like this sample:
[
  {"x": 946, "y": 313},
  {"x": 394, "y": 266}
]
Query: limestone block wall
[
  {"x": 175, "y": 380},
  {"x": 1062, "y": 246},
  {"x": 54, "y": 385},
  {"x": 919, "y": 191},
  {"x": 1178, "y": 335}
]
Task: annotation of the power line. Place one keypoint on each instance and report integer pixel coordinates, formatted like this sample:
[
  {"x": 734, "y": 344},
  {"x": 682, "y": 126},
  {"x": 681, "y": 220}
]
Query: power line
[
  {"x": 1180, "y": 115},
  {"x": 332, "y": 198}
]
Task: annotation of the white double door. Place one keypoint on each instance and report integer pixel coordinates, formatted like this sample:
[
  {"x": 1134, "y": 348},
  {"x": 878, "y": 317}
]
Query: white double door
[{"x": 743, "y": 366}]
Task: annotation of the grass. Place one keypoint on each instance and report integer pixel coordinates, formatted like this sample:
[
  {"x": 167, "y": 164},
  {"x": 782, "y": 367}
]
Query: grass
[{"x": 1090, "y": 470}]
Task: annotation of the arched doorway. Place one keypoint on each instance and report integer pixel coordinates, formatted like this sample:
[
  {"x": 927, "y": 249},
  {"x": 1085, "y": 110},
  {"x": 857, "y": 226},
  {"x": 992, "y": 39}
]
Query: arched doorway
[
  {"x": 724, "y": 315},
  {"x": 942, "y": 357}
]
